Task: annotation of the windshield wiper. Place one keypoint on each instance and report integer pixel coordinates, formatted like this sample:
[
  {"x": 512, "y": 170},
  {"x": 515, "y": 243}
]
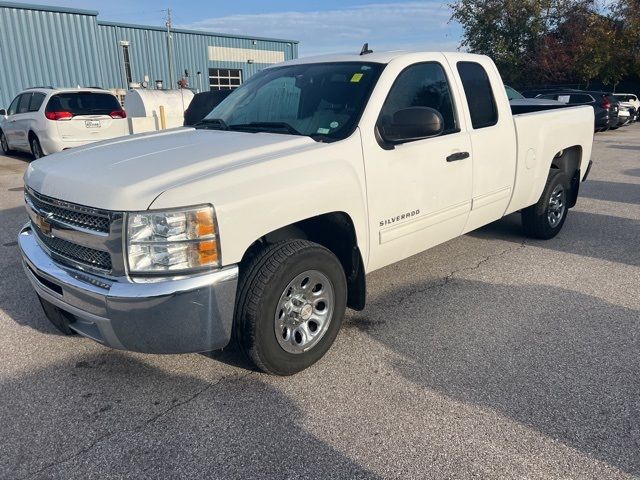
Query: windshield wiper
[
  {"x": 275, "y": 127},
  {"x": 214, "y": 123}
]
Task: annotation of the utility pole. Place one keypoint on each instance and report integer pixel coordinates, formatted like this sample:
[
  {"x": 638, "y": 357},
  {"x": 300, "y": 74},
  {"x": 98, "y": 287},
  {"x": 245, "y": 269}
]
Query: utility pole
[{"x": 169, "y": 24}]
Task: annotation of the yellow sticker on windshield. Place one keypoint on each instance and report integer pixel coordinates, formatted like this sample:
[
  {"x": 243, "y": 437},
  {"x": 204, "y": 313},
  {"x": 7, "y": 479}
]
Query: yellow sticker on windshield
[{"x": 357, "y": 77}]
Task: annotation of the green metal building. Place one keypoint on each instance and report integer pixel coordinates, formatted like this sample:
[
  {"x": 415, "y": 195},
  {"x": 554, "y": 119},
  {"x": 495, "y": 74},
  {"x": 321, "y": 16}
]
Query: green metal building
[{"x": 62, "y": 47}]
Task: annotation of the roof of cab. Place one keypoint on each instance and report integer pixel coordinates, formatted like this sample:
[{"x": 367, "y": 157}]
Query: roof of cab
[
  {"x": 382, "y": 57},
  {"x": 374, "y": 57}
]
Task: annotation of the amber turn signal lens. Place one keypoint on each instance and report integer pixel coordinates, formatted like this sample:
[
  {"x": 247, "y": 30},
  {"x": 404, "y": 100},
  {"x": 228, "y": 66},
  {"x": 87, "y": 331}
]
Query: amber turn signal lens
[
  {"x": 208, "y": 252},
  {"x": 205, "y": 223}
]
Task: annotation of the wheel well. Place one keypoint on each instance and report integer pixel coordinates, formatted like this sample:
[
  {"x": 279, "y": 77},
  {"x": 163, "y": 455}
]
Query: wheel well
[
  {"x": 334, "y": 231},
  {"x": 568, "y": 160},
  {"x": 32, "y": 134}
]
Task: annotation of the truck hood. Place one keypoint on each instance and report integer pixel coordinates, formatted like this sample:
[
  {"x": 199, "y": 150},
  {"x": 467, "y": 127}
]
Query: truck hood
[{"x": 128, "y": 173}]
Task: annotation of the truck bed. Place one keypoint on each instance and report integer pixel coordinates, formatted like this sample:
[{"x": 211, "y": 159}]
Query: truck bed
[{"x": 542, "y": 135}]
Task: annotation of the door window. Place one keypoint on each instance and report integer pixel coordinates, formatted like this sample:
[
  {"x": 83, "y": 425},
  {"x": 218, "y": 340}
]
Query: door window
[
  {"x": 13, "y": 108},
  {"x": 580, "y": 98},
  {"x": 477, "y": 89},
  {"x": 36, "y": 101},
  {"x": 23, "y": 106},
  {"x": 421, "y": 85}
]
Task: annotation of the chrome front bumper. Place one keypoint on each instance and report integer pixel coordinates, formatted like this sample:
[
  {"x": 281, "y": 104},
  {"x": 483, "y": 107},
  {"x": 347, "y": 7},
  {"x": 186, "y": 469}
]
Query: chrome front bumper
[{"x": 187, "y": 314}]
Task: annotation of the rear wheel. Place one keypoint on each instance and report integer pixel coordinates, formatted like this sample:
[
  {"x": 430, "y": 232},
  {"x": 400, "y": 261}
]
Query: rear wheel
[
  {"x": 545, "y": 219},
  {"x": 292, "y": 297},
  {"x": 59, "y": 318},
  {"x": 36, "y": 149},
  {"x": 4, "y": 144}
]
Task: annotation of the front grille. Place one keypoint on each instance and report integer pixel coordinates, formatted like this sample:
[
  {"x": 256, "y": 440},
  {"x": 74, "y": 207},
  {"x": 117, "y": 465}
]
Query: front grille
[
  {"x": 76, "y": 253},
  {"x": 68, "y": 213}
]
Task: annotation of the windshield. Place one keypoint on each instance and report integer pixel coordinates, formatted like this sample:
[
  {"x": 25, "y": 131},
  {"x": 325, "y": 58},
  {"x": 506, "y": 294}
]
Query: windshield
[
  {"x": 625, "y": 98},
  {"x": 320, "y": 100},
  {"x": 511, "y": 93}
]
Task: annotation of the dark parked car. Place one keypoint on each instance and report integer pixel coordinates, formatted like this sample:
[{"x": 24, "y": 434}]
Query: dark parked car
[
  {"x": 521, "y": 104},
  {"x": 604, "y": 105},
  {"x": 202, "y": 104}
]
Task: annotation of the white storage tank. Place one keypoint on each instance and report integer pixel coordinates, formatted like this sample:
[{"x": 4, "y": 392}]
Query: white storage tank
[{"x": 143, "y": 108}]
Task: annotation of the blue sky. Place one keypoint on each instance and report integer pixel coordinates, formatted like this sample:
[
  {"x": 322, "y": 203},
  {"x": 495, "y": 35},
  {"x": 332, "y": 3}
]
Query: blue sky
[{"x": 321, "y": 27}]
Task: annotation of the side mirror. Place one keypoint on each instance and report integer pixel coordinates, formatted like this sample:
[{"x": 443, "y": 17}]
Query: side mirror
[
  {"x": 3, "y": 112},
  {"x": 413, "y": 123}
]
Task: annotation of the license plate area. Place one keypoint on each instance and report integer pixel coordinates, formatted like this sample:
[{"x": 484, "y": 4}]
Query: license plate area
[{"x": 92, "y": 123}]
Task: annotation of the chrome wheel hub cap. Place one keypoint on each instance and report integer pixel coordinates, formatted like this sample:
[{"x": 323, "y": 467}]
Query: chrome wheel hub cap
[
  {"x": 557, "y": 206},
  {"x": 304, "y": 311}
]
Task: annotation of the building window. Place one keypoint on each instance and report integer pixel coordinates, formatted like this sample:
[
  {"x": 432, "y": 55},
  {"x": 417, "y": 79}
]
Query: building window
[
  {"x": 127, "y": 64},
  {"x": 224, "y": 78}
]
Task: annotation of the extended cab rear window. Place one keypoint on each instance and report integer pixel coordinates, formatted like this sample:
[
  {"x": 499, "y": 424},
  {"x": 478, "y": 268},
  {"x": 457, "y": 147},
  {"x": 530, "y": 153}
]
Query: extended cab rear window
[
  {"x": 83, "y": 103},
  {"x": 477, "y": 89}
]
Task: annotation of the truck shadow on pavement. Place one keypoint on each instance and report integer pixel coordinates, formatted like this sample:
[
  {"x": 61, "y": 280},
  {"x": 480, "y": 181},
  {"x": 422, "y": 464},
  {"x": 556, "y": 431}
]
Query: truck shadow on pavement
[
  {"x": 613, "y": 192},
  {"x": 603, "y": 237},
  {"x": 560, "y": 362},
  {"x": 120, "y": 416},
  {"x": 17, "y": 298},
  {"x": 625, "y": 147}
]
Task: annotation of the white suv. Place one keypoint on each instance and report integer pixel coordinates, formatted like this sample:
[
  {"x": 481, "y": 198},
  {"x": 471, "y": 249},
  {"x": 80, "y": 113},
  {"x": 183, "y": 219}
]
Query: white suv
[
  {"x": 42, "y": 121},
  {"x": 629, "y": 100}
]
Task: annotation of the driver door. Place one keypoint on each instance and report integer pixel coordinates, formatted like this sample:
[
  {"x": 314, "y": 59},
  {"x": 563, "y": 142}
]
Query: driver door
[
  {"x": 419, "y": 192},
  {"x": 9, "y": 126}
]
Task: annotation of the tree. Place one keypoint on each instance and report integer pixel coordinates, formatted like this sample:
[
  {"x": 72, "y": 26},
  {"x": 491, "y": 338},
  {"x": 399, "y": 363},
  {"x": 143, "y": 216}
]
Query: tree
[
  {"x": 506, "y": 30},
  {"x": 627, "y": 14},
  {"x": 552, "y": 41}
]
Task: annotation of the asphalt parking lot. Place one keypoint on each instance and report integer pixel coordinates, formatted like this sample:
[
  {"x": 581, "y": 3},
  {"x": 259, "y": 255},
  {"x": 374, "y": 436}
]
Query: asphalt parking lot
[{"x": 491, "y": 356}]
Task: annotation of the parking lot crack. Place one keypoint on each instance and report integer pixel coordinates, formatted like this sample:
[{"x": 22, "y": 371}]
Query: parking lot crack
[
  {"x": 137, "y": 427},
  {"x": 444, "y": 281},
  {"x": 188, "y": 400}
]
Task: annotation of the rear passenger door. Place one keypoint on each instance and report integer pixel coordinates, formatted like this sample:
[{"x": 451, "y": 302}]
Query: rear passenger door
[
  {"x": 419, "y": 192},
  {"x": 493, "y": 138}
]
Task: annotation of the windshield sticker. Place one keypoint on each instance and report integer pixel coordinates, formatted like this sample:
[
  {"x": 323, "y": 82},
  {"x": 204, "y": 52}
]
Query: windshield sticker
[
  {"x": 357, "y": 77},
  {"x": 334, "y": 124},
  {"x": 323, "y": 131}
]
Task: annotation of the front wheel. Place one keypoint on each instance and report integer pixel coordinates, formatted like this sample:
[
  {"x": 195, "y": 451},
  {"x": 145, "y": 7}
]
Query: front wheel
[
  {"x": 545, "y": 219},
  {"x": 291, "y": 301},
  {"x": 4, "y": 144}
]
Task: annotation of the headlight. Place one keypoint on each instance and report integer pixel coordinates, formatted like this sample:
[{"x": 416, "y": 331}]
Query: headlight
[{"x": 173, "y": 241}]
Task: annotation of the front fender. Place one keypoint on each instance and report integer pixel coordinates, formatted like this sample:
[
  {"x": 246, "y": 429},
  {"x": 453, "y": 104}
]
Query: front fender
[{"x": 259, "y": 198}]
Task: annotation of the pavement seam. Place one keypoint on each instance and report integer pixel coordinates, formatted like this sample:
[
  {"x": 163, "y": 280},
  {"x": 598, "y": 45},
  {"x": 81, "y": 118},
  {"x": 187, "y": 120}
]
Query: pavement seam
[
  {"x": 449, "y": 277},
  {"x": 136, "y": 428}
]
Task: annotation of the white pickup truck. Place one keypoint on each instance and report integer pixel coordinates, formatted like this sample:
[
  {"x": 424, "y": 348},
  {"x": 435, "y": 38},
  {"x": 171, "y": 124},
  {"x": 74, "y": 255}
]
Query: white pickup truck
[{"x": 258, "y": 225}]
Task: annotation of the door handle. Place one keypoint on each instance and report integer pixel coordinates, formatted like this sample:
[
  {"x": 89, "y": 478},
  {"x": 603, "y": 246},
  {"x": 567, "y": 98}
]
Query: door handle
[{"x": 454, "y": 157}]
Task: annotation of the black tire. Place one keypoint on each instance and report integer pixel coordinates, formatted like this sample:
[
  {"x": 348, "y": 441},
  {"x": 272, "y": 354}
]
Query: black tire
[
  {"x": 36, "y": 149},
  {"x": 57, "y": 317},
  {"x": 4, "y": 144},
  {"x": 262, "y": 284},
  {"x": 543, "y": 220}
]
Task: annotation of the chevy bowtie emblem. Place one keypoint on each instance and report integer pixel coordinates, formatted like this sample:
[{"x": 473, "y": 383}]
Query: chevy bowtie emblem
[{"x": 43, "y": 225}]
